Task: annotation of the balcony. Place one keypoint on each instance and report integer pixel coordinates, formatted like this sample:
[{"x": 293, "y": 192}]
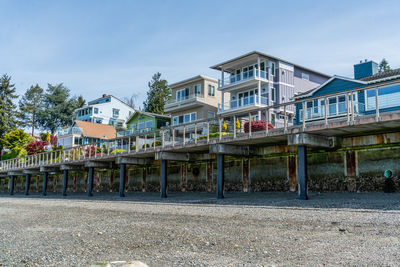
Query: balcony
[
  {"x": 245, "y": 103},
  {"x": 243, "y": 77},
  {"x": 190, "y": 100},
  {"x": 71, "y": 130}
]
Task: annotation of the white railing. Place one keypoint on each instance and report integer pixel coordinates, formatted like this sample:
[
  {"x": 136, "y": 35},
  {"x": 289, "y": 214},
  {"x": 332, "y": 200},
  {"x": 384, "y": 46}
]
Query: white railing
[
  {"x": 71, "y": 130},
  {"x": 252, "y": 100},
  {"x": 184, "y": 99},
  {"x": 243, "y": 76},
  {"x": 201, "y": 132}
]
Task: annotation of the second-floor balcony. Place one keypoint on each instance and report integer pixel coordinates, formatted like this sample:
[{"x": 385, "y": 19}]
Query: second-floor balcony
[
  {"x": 242, "y": 77},
  {"x": 70, "y": 130},
  {"x": 184, "y": 101},
  {"x": 243, "y": 103}
]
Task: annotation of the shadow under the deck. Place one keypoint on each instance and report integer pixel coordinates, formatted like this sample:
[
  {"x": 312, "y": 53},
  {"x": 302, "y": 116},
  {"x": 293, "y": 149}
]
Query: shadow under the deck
[{"x": 370, "y": 201}]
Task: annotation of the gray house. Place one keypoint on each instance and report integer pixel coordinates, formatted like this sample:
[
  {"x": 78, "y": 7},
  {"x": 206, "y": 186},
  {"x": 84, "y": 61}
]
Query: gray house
[{"x": 257, "y": 80}]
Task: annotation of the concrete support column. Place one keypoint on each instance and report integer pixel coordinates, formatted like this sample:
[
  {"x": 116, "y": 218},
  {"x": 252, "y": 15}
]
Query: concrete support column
[
  {"x": 27, "y": 183},
  {"x": 221, "y": 176},
  {"x": 12, "y": 182},
  {"x": 122, "y": 178},
  {"x": 65, "y": 183},
  {"x": 164, "y": 164},
  {"x": 302, "y": 171},
  {"x": 90, "y": 181},
  {"x": 45, "y": 178},
  {"x": 183, "y": 177}
]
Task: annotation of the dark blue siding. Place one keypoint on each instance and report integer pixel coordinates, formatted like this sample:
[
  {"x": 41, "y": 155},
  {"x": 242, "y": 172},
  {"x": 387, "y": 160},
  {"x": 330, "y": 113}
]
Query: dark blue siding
[{"x": 336, "y": 86}]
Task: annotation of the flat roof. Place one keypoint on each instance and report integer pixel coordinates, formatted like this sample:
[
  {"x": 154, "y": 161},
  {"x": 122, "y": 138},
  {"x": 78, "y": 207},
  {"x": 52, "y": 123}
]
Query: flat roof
[
  {"x": 219, "y": 65},
  {"x": 198, "y": 77}
]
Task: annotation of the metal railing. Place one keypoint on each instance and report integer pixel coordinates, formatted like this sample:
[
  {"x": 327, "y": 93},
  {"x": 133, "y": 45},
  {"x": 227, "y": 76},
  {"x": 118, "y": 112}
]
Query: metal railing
[
  {"x": 243, "y": 76},
  {"x": 184, "y": 99},
  {"x": 203, "y": 132}
]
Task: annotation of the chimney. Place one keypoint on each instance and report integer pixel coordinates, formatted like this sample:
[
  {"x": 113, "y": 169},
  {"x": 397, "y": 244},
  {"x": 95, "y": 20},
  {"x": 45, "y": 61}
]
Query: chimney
[
  {"x": 365, "y": 69},
  {"x": 104, "y": 95}
]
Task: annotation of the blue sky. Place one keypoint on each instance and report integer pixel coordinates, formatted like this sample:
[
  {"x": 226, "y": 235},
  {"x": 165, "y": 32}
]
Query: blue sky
[{"x": 114, "y": 47}]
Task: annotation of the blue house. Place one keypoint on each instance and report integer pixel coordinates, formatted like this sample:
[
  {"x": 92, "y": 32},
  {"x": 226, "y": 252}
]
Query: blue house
[{"x": 367, "y": 81}]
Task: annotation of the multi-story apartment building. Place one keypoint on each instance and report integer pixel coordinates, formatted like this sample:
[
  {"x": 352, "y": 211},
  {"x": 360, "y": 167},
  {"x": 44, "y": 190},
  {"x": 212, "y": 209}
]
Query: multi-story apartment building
[
  {"x": 193, "y": 99},
  {"x": 105, "y": 110},
  {"x": 256, "y": 80}
]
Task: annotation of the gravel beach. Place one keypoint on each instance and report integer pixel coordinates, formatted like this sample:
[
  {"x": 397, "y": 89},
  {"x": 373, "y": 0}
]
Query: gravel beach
[{"x": 195, "y": 229}]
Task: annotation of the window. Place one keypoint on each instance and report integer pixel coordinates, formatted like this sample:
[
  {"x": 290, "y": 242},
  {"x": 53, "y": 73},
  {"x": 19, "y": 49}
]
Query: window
[
  {"x": 387, "y": 97},
  {"x": 305, "y": 76},
  {"x": 187, "y": 118},
  {"x": 149, "y": 124},
  {"x": 175, "y": 120},
  {"x": 96, "y": 110},
  {"x": 197, "y": 89},
  {"x": 211, "y": 90},
  {"x": 182, "y": 94},
  {"x": 272, "y": 68},
  {"x": 273, "y": 95},
  {"x": 273, "y": 119},
  {"x": 78, "y": 141},
  {"x": 193, "y": 116},
  {"x": 115, "y": 113},
  {"x": 140, "y": 125},
  {"x": 210, "y": 115}
]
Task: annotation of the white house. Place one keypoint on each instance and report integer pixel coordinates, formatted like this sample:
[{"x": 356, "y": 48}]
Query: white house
[{"x": 105, "y": 110}]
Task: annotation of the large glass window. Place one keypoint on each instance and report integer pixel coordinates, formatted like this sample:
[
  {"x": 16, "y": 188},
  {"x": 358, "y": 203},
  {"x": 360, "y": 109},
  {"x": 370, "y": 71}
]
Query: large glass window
[
  {"x": 141, "y": 125},
  {"x": 273, "y": 95},
  {"x": 149, "y": 124},
  {"x": 387, "y": 97},
  {"x": 193, "y": 116},
  {"x": 115, "y": 113},
  {"x": 96, "y": 110},
  {"x": 182, "y": 94},
  {"x": 211, "y": 90},
  {"x": 332, "y": 105},
  {"x": 197, "y": 89},
  {"x": 272, "y": 68}
]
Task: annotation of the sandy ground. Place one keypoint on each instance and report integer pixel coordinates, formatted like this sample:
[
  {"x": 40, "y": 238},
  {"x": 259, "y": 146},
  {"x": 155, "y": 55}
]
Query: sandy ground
[{"x": 195, "y": 229}]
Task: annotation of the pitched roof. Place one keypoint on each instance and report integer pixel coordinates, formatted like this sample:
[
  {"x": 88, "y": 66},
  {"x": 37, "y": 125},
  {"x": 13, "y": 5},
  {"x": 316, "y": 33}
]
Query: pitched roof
[
  {"x": 382, "y": 75},
  {"x": 96, "y": 130},
  {"x": 335, "y": 77},
  {"x": 154, "y": 115}
]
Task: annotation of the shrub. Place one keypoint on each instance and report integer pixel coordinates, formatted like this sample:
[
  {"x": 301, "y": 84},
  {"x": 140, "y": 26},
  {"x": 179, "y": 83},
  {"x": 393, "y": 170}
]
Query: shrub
[
  {"x": 133, "y": 147},
  {"x": 158, "y": 143},
  {"x": 256, "y": 126},
  {"x": 16, "y": 140},
  {"x": 224, "y": 127},
  {"x": 145, "y": 145},
  {"x": 213, "y": 128},
  {"x": 36, "y": 147},
  {"x": 116, "y": 151},
  {"x": 92, "y": 150},
  {"x": 213, "y": 135}
]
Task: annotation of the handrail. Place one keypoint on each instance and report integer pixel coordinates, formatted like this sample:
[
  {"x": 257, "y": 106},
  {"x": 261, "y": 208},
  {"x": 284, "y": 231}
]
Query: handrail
[{"x": 173, "y": 135}]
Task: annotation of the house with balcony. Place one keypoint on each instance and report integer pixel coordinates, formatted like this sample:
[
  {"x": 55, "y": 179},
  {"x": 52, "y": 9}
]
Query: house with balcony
[
  {"x": 193, "y": 99},
  {"x": 85, "y": 133},
  {"x": 336, "y": 97},
  {"x": 142, "y": 122},
  {"x": 256, "y": 80},
  {"x": 105, "y": 110}
]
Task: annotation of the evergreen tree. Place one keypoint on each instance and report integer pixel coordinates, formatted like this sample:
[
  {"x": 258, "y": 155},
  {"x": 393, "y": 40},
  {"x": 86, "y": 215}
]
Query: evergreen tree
[
  {"x": 80, "y": 102},
  {"x": 58, "y": 108},
  {"x": 383, "y": 66},
  {"x": 29, "y": 106},
  {"x": 8, "y": 110},
  {"x": 159, "y": 93}
]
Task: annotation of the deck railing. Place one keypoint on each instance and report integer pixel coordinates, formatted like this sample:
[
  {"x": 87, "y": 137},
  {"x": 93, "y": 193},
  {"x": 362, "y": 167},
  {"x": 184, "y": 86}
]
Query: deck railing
[{"x": 201, "y": 132}]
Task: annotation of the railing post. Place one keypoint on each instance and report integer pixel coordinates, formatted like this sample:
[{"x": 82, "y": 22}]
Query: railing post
[
  {"x": 304, "y": 114},
  {"x": 352, "y": 107},
  {"x": 348, "y": 108},
  {"x": 285, "y": 119},
  {"x": 154, "y": 139},
  {"x": 249, "y": 124},
  {"x": 163, "y": 138},
  {"x": 326, "y": 111},
  {"x": 208, "y": 132},
  {"x": 129, "y": 144},
  {"x": 267, "y": 121},
  {"x": 145, "y": 142},
  {"x": 184, "y": 135},
  {"x": 377, "y": 104},
  {"x": 234, "y": 126},
  {"x": 220, "y": 128},
  {"x": 195, "y": 133},
  {"x": 173, "y": 137}
]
